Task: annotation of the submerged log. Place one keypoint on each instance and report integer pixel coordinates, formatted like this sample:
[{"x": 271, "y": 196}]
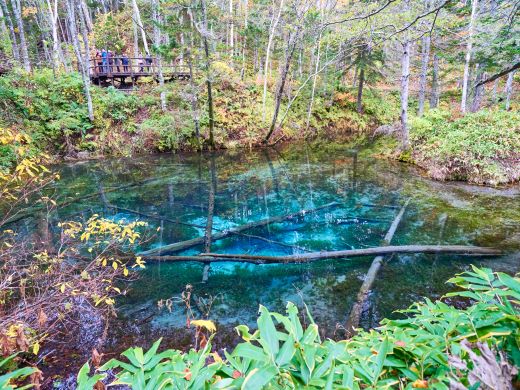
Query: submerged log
[
  {"x": 315, "y": 256},
  {"x": 362, "y": 296},
  {"x": 176, "y": 221},
  {"x": 178, "y": 246}
]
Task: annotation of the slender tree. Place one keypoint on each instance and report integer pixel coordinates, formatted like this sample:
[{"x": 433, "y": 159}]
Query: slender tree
[
  {"x": 83, "y": 68},
  {"x": 158, "y": 41},
  {"x": 272, "y": 30},
  {"x": 435, "y": 91},
  {"x": 425, "y": 59},
  {"x": 469, "y": 48},
  {"x": 17, "y": 8},
  {"x": 405, "y": 81}
]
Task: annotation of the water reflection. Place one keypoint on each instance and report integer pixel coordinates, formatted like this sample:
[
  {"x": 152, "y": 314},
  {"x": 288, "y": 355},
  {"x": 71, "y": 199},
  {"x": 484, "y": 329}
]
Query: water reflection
[{"x": 194, "y": 195}]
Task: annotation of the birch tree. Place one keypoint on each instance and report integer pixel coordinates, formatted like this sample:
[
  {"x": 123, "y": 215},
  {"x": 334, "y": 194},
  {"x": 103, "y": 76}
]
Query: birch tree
[
  {"x": 17, "y": 9},
  {"x": 469, "y": 48},
  {"x": 71, "y": 18},
  {"x": 158, "y": 42},
  {"x": 12, "y": 34},
  {"x": 425, "y": 59},
  {"x": 509, "y": 89},
  {"x": 140, "y": 26},
  {"x": 405, "y": 81},
  {"x": 272, "y": 30},
  {"x": 436, "y": 88}
]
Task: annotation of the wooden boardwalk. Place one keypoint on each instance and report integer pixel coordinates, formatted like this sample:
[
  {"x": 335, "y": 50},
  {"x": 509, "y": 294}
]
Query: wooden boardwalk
[{"x": 122, "y": 72}]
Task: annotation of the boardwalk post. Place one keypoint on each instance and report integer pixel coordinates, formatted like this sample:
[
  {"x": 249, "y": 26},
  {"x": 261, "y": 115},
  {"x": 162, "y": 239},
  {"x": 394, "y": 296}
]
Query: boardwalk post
[{"x": 131, "y": 72}]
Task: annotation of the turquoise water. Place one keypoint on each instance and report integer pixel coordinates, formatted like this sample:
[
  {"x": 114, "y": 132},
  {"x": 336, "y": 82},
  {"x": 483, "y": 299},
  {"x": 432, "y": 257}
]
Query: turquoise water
[{"x": 255, "y": 185}]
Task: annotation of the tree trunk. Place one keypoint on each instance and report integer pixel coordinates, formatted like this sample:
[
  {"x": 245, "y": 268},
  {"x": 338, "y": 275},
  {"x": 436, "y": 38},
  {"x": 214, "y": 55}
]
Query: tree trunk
[
  {"x": 435, "y": 92},
  {"x": 469, "y": 48},
  {"x": 231, "y": 32},
  {"x": 10, "y": 25},
  {"x": 194, "y": 99},
  {"x": 316, "y": 256},
  {"x": 405, "y": 80},
  {"x": 509, "y": 89},
  {"x": 360, "y": 90},
  {"x": 357, "y": 309},
  {"x": 274, "y": 23},
  {"x": 211, "y": 211},
  {"x": 208, "y": 74},
  {"x": 136, "y": 38},
  {"x": 315, "y": 78},
  {"x": 291, "y": 46},
  {"x": 158, "y": 41},
  {"x": 53, "y": 18},
  {"x": 479, "y": 89},
  {"x": 425, "y": 58},
  {"x": 244, "y": 44},
  {"x": 139, "y": 22},
  {"x": 17, "y": 8},
  {"x": 178, "y": 246},
  {"x": 71, "y": 16},
  {"x": 86, "y": 15}
]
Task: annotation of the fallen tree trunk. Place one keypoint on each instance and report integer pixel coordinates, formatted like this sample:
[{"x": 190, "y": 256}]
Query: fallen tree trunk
[
  {"x": 175, "y": 221},
  {"x": 315, "y": 256},
  {"x": 178, "y": 246},
  {"x": 357, "y": 309}
]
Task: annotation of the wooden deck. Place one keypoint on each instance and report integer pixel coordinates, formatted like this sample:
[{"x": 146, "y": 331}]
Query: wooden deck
[{"x": 121, "y": 76}]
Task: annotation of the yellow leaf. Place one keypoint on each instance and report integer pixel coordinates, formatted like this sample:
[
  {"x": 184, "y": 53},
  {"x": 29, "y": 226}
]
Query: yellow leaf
[
  {"x": 420, "y": 384},
  {"x": 114, "y": 265},
  {"x": 206, "y": 324},
  {"x": 62, "y": 288},
  {"x": 36, "y": 348}
]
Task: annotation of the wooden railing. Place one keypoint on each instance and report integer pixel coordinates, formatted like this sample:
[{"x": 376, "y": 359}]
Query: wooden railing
[{"x": 133, "y": 67}]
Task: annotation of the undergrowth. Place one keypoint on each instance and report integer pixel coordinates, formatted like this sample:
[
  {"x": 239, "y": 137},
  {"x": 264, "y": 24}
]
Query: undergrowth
[
  {"x": 481, "y": 147},
  {"x": 437, "y": 347},
  {"x": 52, "y": 110}
]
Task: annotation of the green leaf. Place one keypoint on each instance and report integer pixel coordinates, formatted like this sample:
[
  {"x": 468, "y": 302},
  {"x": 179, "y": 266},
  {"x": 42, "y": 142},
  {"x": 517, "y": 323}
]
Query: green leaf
[
  {"x": 383, "y": 351},
  {"x": 286, "y": 352},
  {"x": 250, "y": 351},
  {"x": 268, "y": 336},
  {"x": 259, "y": 377},
  {"x": 512, "y": 283}
]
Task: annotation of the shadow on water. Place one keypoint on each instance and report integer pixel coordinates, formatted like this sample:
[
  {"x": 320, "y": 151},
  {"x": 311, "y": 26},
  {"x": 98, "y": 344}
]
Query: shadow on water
[{"x": 242, "y": 187}]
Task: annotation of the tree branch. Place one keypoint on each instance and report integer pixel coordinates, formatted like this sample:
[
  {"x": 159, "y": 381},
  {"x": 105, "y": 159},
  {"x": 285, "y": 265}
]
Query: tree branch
[{"x": 499, "y": 74}]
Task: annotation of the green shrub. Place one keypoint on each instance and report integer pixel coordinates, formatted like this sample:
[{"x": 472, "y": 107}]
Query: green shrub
[
  {"x": 165, "y": 132},
  {"x": 414, "y": 352},
  {"x": 478, "y": 147}
]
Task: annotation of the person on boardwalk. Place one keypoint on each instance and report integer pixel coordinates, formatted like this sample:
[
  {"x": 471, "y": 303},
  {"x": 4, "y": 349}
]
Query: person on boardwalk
[
  {"x": 117, "y": 62},
  {"x": 141, "y": 63},
  {"x": 104, "y": 60},
  {"x": 148, "y": 61},
  {"x": 98, "y": 62},
  {"x": 124, "y": 61},
  {"x": 110, "y": 60}
]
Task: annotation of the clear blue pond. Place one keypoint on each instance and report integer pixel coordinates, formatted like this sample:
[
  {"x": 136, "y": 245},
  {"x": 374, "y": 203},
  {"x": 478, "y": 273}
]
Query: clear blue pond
[{"x": 255, "y": 185}]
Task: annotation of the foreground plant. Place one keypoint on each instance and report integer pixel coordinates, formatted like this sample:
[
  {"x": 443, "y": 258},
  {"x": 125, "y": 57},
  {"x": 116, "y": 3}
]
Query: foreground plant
[
  {"x": 436, "y": 347},
  {"x": 48, "y": 280}
]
